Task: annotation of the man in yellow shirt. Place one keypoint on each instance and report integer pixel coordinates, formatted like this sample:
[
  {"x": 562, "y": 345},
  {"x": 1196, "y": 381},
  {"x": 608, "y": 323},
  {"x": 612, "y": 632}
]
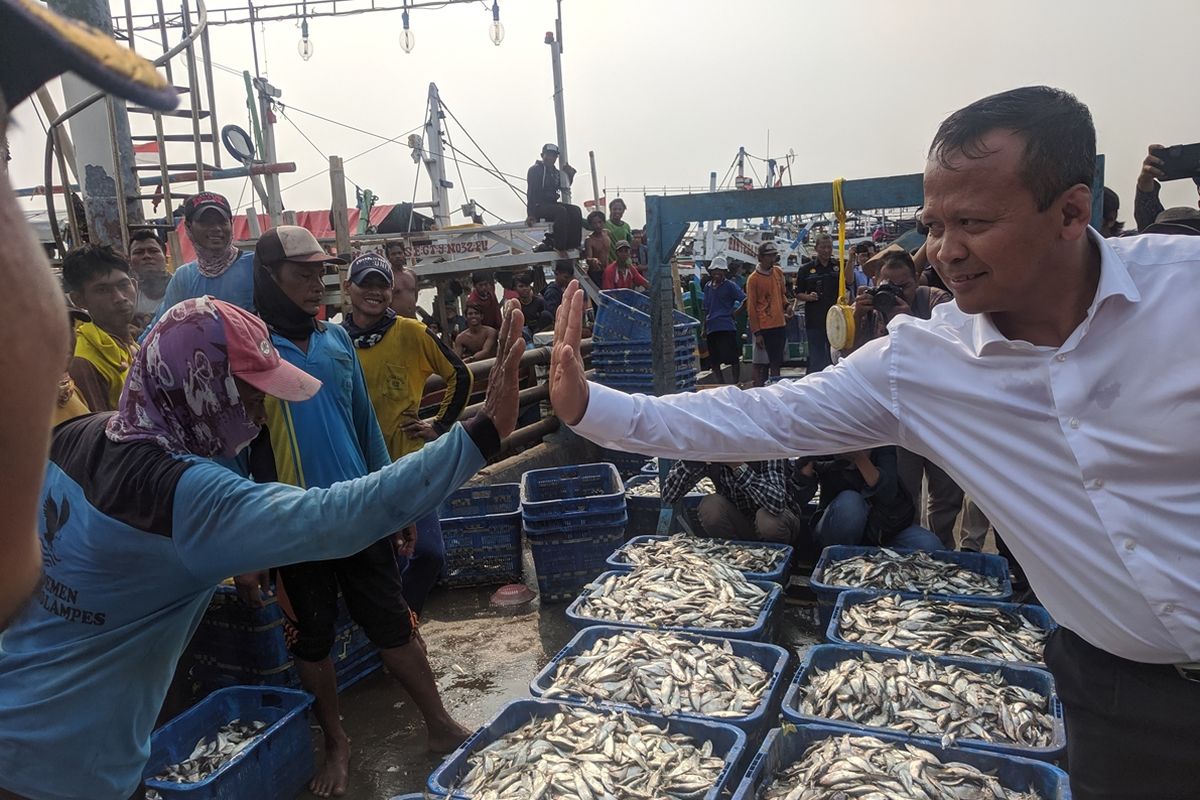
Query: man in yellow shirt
[
  {"x": 69, "y": 404},
  {"x": 97, "y": 279},
  {"x": 398, "y": 355}
]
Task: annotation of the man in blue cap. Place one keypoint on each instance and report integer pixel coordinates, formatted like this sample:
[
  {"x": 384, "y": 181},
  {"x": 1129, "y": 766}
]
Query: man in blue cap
[{"x": 543, "y": 183}]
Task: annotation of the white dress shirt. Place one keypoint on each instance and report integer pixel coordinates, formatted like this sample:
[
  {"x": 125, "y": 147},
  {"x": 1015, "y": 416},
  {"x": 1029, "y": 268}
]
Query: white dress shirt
[{"x": 1085, "y": 457}]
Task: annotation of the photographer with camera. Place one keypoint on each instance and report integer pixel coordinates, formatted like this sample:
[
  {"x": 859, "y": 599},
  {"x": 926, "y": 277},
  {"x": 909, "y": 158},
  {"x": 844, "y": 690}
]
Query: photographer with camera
[{"x": 1146, "y": 203}]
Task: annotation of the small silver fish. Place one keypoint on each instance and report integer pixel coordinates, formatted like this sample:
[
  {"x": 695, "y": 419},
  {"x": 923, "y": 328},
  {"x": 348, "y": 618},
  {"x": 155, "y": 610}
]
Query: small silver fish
[
  {"x": 650, "y": 488},
  {"x": 910, "y": 572},
  {"x": 739, "y": 555},
  {"x": 212, "y": 753}
]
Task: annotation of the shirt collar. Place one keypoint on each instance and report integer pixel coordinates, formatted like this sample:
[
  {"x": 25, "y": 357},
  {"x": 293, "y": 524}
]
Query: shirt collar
[{"x": 1114, "y": 281}]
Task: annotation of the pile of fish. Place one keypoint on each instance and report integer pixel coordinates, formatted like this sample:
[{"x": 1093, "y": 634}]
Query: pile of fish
[
  {"x": 582, "y": 754},
  {"x": 910, "y": 572},
  {"x": 943, "y": 627},
  {"x": 699, "y": 594},
  {"x": 740, "y": 556},
  {"x": 842, "y": 767},
  {"x": 650, "y": 488},
  {"x": 666, "y": 673},
  {"x": 210, "y": 754},
  {"x": 919, "y": 697}
]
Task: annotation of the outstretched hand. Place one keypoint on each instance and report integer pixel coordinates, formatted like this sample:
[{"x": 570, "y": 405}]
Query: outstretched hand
[
  {"x": 568, "y": 385},
  {"x": 501, "y": 403}
]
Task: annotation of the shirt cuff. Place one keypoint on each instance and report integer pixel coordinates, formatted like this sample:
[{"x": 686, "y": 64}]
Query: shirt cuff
[
  {"x": 608, "y": 415},
  {"x": 484, "y": 434}
]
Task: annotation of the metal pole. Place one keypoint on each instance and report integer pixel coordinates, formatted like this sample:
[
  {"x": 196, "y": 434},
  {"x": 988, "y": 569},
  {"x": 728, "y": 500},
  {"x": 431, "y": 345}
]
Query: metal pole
[
  {"x": 194, "y": 94},
  {"x": 595, "y": 180},
  {"x": 118, "y": 175},
  {"x": 560, "y": 117},
  {"x": 708, "y": 226},
  {"x": 435, "y": 160},
  {"x": 274, "y": 201},
  {"x": 206, "y": 52},
  {"x": 341, "y": 220}
]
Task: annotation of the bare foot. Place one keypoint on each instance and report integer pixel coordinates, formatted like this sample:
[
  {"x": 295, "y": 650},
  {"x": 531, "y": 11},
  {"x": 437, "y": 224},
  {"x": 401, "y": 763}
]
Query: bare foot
[
  {"x": 334, "y": 774},
  {"x": 447, "y": 738}
]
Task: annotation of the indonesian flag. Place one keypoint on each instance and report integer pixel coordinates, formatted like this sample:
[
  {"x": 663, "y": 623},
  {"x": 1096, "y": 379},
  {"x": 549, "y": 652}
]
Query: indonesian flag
[
  {"x": 591, "y": 204},
  {"x": 145, "y": 153}
]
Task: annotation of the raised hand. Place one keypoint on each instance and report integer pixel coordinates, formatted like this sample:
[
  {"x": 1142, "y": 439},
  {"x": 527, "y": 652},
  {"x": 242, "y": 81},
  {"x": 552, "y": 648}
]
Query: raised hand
[
  {"x": 501, "y": 403},
  {"x": 568, "y": 386}
]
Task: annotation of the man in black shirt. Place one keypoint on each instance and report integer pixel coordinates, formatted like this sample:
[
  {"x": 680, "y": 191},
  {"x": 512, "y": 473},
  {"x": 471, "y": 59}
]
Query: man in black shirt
[
  {"x": 543, "y": 183},
  {"x": 817, "y": 285}
]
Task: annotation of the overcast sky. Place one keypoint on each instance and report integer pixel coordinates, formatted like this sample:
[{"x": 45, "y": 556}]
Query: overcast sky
[{"x": 664, "y": 91}]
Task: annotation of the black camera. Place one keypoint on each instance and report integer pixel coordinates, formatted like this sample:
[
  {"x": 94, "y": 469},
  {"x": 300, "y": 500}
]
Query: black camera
[{"x": 884, "y": 297}]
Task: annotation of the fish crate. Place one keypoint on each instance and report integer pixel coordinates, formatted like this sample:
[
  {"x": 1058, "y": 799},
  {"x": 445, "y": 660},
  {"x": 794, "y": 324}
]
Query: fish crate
[
  {"x": 276, "y": 766},
  {"x": 628, "y": 465},
  {"x": 604, "y": 366},
  {"x": 236, "y": 644},
  {"x": 984, "y": 563},
  {"x": 728, "y": 742},
  {"x": 782, "y": 748},
  {"x": 620, "y": 560},
  {"x": 547, "y": 494},
  {"x": 644, "y": 384},
  {"x": 828, "y": 656},
  {"x": 763, "y": 629},
  {"x": 565, "y": 560},
  {"x": 1035, "y": 614},
  {"x": 644, "y": 511},
  {"x": 637, "y": 352},
  {"x": 481, "y": 527},
  {"x": 624, "y": 315},
  {"x": 770, "y": 657}
]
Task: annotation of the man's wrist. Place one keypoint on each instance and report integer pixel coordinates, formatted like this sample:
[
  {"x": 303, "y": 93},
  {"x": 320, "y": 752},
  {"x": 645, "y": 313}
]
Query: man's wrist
[{"x": 483, "y": 433}]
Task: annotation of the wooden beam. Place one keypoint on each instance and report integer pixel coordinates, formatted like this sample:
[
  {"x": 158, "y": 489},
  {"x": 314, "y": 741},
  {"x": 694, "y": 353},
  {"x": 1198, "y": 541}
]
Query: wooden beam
[{"x": 341, "y": 220}]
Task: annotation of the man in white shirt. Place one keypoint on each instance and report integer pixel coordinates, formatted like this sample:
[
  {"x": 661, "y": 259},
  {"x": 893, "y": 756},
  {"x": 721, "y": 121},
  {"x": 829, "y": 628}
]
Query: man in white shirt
[{"x": 1054, "y": 391}]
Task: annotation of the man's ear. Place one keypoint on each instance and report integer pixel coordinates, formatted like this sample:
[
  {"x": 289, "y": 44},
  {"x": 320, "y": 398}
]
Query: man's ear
[{"x": 1076, "y": 208}]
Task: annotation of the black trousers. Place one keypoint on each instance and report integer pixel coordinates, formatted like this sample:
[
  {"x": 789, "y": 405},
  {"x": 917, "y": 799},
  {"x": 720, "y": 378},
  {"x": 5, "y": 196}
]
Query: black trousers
[
  {"x": 1133, "y": 730},
  {"x": 567, "y": 233}
]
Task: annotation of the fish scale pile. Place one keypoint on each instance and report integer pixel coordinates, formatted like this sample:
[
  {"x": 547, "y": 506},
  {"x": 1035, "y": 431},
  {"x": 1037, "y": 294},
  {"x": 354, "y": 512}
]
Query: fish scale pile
[
  {"x": 909, "y": 572},
  {"x": 743, "y": 557},
  {"x": 650, "y": 488},
  {"x": 943, "y": 627},
  {"x": 920, "y": 697},
  {"x": 699, "y": 594},
  {"x": 210, "y": 754},
  {"x": 665, "y": 673},
  {"x": 844, "y": 767},
  {"x": 587, "y": 755}
]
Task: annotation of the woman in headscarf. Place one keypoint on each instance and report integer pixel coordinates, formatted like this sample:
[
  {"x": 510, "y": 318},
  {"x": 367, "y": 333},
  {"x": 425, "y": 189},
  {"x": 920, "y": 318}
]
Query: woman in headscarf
[{"x": 139, "y": 525}]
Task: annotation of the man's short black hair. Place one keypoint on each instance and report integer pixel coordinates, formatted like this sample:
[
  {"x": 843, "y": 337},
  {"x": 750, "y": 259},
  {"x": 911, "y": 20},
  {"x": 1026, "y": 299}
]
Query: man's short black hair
[
  {"x": 145, "y": 235},
  {"x": 524, "y": 277},
  {"x": 390, "y": 243},
  {"x": 88, "y": 262},
  {"x": 595, "y": 214},
  {"x": 898, "y": 258},
  {"x": 564, "y": 267},
  {"x": 1060, "y": 138},
  {"x": 862, "y": 247},
  {"x": 482, "y": 277}
]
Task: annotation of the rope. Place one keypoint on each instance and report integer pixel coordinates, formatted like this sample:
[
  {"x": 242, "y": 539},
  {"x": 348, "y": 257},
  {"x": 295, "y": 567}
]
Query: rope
[{"x": 839, "y": 211}]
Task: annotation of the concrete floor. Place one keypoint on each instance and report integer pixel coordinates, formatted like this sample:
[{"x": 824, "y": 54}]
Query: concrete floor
[{"x": 483, "y": 658}]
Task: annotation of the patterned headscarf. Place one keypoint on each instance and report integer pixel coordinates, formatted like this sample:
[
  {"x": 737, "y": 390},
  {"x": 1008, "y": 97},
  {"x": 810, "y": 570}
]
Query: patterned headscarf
[
  {"x": 212, "y": 264},
  {"x": 180, "y": 393}
]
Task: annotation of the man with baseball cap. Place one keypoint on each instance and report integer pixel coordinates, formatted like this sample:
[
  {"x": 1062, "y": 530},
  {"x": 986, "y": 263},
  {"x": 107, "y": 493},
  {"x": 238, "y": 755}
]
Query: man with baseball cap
[
  {"x": 35, "y": 46},
  {"x": 331, "y": 438},
  {"x": 621, "y": 274},
  {"x": 220, "y": 269},
  {"x": 543, "y": 183}
]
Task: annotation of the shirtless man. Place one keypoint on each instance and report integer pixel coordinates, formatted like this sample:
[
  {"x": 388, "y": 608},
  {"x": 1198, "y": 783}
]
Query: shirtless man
[
  {"x": 597, "y": 245},
  {"x": 478, "y": 341}
]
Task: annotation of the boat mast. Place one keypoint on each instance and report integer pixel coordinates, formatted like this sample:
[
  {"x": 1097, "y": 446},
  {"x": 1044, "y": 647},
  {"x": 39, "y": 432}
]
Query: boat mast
[
  {"x": 560, "y": 117},
  {"x": 434, "y": 160}
]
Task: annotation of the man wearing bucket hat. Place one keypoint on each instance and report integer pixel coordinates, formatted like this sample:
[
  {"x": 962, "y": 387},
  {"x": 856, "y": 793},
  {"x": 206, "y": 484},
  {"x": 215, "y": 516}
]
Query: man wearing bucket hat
[
  {"x": 722, "y": 300},
  {"x": 35, "y": 46}
]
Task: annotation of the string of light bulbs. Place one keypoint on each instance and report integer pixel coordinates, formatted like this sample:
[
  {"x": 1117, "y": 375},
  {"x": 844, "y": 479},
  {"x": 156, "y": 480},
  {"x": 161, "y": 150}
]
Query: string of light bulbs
[{"x": 408, "y": 39}]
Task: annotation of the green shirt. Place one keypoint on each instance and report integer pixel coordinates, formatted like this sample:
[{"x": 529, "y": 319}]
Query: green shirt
[{"x": 617, "y": 231}]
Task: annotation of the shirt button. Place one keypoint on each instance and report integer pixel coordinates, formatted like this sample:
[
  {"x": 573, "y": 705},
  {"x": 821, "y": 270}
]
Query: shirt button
[
  {"x": 1098, "y": 483},
  {"x": 1073, "y": 422},
  {"x": 1060, "y": 359},
  {"x": 1130, "y": 544}
]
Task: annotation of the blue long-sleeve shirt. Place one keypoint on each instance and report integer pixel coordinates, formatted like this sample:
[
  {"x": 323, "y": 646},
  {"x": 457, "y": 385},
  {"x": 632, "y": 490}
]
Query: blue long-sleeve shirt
[
  {"x": 234, "y": 285},
  {"x": 134, "y": 541}
]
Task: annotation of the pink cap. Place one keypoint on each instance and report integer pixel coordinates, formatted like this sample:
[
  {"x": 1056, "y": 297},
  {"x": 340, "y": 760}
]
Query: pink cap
[{"x": 255, "y": 360}]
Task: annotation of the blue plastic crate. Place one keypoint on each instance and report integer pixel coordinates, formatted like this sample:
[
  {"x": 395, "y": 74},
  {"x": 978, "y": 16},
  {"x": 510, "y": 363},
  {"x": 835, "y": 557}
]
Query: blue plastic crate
[
  {"x": 828, "y": 656},
  {"x": 548, "y": 493},
  {"x": 983, "y": 563},
  {"x": 684, "y": 363},
  {"x": 761, "y": 631},
  {"x": 625, "y": 315},
  {"x": 619, "y": 560},
  {"x": 644, "y": 511},
  {"x": 481, "y": 527},
  {"x": 772, "y": 658},
  {"x": 727, "y": 741},
  {"x": 564, "y": 523},
  {"x": 1035, "y": 614},
  {"x": 639, "y": 355},
  {"x": 565, "y": 561},
  {"x": 781, "y": 749},
  {"x": 277, "y": 766},
  {"x": 628, "y": 464}
]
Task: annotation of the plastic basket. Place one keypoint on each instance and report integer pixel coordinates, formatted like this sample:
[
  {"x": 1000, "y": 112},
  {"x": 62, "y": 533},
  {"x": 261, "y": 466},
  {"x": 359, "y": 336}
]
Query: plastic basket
[
  {"x": 481, "y": 527},
  {"x": 1035, "y": 614},
  {"x": 760, "y": 631},
  {"x": 548, "y": 493},
  {"x": 983, "y": 563},
  {"x": 625, "y": 315},
  {"x": 728, "y": 742},
  {"x": 644, "y": 511},
  {"x": 782, "y": 749},
  {"x": 628, "y": 464},
  {"x": 772, "y": 658},
  {"x": 620, "y": 559},
  {"x": 578, "y": 520},
  {"x": 276, "y": 766},
  {"x": 566, "y": 561},
  {"x": 828, "y": 656},
  {"x": 638, "y": 353},
  {"x": 606, "y": 366}
]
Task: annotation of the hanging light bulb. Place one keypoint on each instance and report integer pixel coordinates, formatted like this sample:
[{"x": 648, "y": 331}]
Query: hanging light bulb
[
  {"x": 305, "y": 46},
  {"x": 496, "y": 31},
  {"x": 407, "y": 40}
]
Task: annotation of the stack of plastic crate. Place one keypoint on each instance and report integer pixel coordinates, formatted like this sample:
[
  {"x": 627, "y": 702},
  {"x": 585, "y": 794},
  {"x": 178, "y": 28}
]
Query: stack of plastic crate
[
  {"x": 622, "y": 352},
  {"x": 481, "y": 526}
]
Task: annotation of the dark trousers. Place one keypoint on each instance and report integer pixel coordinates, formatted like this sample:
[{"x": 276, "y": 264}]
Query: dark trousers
[
  {"x": 818, "y": 349},
  {"x": 567, "y": 233},
  {"x": 1133, "y": 730}
]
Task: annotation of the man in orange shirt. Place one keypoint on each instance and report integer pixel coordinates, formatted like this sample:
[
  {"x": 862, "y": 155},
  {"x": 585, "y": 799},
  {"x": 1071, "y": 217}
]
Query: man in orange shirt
[{"x": 766, "y": 303}]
